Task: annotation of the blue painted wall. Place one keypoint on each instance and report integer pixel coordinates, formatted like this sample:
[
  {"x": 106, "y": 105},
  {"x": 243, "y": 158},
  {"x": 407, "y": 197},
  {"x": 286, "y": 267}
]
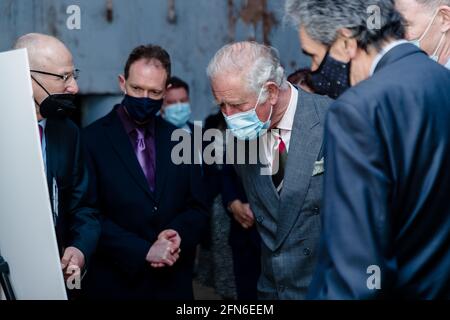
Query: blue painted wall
[{"x": 101, "y": 46}]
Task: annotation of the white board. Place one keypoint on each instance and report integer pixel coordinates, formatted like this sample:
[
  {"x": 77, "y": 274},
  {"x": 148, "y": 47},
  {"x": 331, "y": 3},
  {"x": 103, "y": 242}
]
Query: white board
[{"x": 27, "y": 236}]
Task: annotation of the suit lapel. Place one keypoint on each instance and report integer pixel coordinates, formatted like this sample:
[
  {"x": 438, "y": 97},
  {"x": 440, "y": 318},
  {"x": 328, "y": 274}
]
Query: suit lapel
[
  {"x": 306, "y": 143},
  {"x": 52, "y": 146},
  {"x": 122, "y": 146}
]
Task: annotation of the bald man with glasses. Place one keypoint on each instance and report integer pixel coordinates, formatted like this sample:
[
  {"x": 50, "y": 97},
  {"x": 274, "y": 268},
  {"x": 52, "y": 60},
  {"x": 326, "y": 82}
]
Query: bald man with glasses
[{"x": 54, "y": 88}]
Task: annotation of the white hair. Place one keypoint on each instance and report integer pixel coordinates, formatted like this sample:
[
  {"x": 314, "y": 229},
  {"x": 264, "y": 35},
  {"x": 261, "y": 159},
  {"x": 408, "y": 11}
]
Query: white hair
[{"x": 257, "y": 64}]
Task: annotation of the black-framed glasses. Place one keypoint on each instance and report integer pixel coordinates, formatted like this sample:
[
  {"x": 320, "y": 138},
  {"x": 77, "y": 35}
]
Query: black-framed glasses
[{"x": 65, "y": 77}]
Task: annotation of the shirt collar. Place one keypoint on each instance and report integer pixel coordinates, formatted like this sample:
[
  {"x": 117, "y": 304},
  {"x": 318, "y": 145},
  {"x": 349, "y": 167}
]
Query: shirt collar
[
  {"x": 43, "y": 123},
  {"x": 448, "y": 64},
  {"x": 129, "y": 124},
  {"x": 287, "y": 122},
  {"x": 383, "y": 52}
]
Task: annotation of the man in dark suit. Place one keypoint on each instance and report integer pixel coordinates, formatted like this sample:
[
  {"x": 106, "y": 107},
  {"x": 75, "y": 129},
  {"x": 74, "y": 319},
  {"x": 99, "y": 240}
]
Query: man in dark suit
[
  {"x": 54, "y": 86},
  {"x": 386, "y": 221},
  {"x": 153, "y": 211}
]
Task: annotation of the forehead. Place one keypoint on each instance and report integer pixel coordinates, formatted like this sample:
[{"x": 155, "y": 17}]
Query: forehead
[
  {"x": 174, "y": 93},
  {"x": 57, "y": 59},
  {"x": 411, "y": 9},
  {"x": 308, "y": 44},
  {"x": 229, "y": 88},
  {"x": 148, "y": 72}
]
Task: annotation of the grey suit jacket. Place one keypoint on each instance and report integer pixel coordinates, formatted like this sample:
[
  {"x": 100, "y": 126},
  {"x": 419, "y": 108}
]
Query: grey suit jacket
[{"x": 289, "y": 223}]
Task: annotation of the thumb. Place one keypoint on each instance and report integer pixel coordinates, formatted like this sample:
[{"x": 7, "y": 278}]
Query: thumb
[{"x": 66, "y": 259}]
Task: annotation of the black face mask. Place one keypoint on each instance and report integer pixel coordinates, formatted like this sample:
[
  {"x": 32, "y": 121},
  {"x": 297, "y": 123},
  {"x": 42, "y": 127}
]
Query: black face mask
[
  {"x": 332, "y": 78},
  {"x": 56, "y": 105},
  {"x": 142, "y": 109}
]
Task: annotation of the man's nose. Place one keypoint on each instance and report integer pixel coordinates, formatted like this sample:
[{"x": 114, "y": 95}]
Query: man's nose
[{"x": 72, "y": 87}]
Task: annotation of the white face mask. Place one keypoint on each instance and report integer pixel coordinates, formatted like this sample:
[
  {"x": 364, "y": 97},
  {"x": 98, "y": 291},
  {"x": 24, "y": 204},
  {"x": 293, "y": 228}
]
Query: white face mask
[{"x": 417, "y": 42}]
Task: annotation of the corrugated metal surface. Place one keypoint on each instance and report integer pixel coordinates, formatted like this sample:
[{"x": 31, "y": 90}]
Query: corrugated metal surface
[{"x": 191, "y": 30}]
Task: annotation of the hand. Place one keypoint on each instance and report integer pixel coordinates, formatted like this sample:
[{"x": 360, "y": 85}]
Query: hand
[
  {"x": 72, "y": 262},
  {"x": 162, "y": 253},
  {"x": 242, "y": 214},
  {"x": 173, "y": 237}
]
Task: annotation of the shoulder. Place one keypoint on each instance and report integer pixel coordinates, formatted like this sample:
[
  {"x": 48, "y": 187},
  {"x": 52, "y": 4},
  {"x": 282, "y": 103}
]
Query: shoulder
[
  {"x": 315, "y": 102},
  {"x": 97, "y": 125}
]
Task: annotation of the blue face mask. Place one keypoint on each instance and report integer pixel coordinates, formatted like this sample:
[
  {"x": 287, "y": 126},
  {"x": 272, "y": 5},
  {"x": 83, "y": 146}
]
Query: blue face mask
[
  {"x": 246, "y": 125},
  {"x": 177, "y": 114},
  {"x": 141, "y": 109}
]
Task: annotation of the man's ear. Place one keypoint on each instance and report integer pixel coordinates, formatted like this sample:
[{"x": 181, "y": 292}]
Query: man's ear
[
  {"x": 274, "y": 92},
  {"x": 122, "y": 83},
  {"x": 445, "y": 12},
  {"x": 350, "y": 44}
]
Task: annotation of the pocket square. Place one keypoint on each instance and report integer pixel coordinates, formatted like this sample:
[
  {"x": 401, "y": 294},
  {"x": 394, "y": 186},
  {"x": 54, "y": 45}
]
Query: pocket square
[{"x": 319, "y": 167}]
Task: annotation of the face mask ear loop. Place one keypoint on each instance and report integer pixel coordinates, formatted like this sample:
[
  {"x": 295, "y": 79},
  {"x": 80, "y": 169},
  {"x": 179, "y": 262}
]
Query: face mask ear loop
[
  {"x": 40, "y": 85},
  {"x": 429, "y": 27},
  {"x": 439, "y": 45}
]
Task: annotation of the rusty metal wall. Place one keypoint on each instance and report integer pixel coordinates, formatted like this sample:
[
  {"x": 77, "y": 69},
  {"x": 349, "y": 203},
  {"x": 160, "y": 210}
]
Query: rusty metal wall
[{"x": 191, "y": 30}]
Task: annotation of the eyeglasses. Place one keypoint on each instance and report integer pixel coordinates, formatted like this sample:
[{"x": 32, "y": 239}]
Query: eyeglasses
[{"x": 65, "y": 77}]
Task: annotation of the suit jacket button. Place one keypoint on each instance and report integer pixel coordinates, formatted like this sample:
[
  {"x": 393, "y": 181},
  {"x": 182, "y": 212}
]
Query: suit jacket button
[
  {"x": 276, "y": 254},
  {"x": 260, "y": 219},
  {"x": 307, "y": 252},
  {"x": 316, "y": 210},
  {"x": 155, "y": 209}
]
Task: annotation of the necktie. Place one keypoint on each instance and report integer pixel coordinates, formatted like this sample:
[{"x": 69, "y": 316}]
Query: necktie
[
  {"x": 41, "y": 132},
  {"x": 144, "y": 158},
  {"x": 278, "y": 177}
]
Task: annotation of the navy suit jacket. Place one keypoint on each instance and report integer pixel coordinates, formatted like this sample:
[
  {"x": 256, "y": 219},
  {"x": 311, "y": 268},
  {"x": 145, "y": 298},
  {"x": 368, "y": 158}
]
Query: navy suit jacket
[
  {"x": 133, "y": 216},
  {"x": 77, "y": 224},
  {"x": 386, "y": 219}
]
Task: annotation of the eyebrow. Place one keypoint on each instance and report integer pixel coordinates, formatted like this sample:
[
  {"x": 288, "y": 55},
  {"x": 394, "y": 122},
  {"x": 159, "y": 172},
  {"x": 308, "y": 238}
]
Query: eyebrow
[{"x": 306, "y": 52}]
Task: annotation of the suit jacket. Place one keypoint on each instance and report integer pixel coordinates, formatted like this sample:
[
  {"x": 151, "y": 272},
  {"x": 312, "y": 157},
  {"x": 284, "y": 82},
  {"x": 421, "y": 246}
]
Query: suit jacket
[
  {"x": 386, "y": 217},
  {"x": 232, "y": 189},
  {"x": 133, "y": 216},
  {"x": 77, "y": 223},
  {"x": 289, "y": 223}
]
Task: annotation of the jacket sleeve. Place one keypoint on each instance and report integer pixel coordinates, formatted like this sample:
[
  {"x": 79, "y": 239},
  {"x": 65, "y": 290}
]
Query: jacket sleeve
[
  {"x": 192, "y": 224},
  {"x": 355, "y": 259},
  {"x": 84, "y": 227}
]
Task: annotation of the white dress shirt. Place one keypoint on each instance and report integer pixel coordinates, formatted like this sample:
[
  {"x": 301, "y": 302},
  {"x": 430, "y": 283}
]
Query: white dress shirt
[
  {"x": 43, "y": 124},
  {"x": 383, "y": 52},
  {"x": 284, "y": 128}
]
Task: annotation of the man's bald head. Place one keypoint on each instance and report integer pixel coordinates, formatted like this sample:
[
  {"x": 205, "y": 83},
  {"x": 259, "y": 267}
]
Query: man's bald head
[
  {"x": 50, "y": 60},
  {"x": 44, "y": 51}
]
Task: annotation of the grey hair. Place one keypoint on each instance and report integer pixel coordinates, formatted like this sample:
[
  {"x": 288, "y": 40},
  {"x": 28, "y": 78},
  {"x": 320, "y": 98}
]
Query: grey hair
[
  {"x": 323, "y": 20},
  {"x": 433, "y": 4},
  {"x": 256, "y": 63}
]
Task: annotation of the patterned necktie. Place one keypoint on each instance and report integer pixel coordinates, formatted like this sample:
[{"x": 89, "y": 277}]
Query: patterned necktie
[
  {"x": 278, "y": 177},
  {"x": 143, "y": 156}
]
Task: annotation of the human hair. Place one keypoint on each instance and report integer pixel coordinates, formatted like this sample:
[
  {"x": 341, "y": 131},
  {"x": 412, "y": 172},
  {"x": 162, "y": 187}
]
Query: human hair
[
  {"x": 256, "y": 63},
  {"x": 149, "y": 52},
  {"x": 176, "y": 83},
  {"x": 323, "y": 20}
]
